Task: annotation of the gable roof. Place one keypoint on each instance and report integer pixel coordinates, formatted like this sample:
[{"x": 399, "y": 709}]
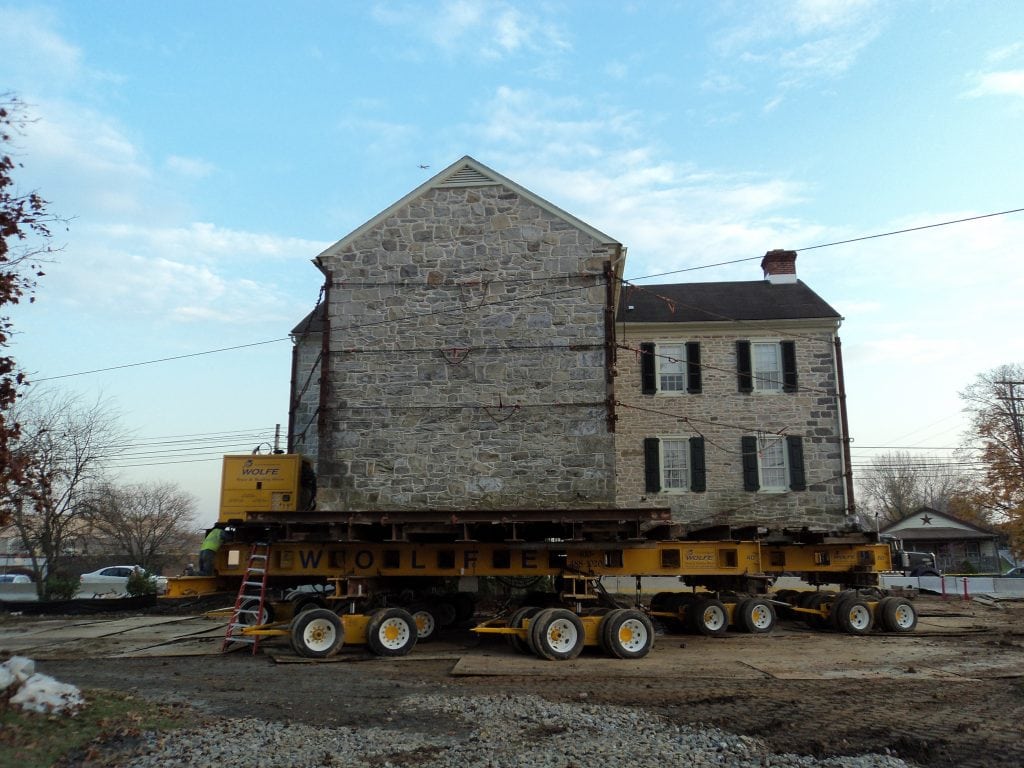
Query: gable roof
[
  {"x": 928, "y": 523},
  {"x": 466, "y": 172},
  {"x": 722, "y": 302}
]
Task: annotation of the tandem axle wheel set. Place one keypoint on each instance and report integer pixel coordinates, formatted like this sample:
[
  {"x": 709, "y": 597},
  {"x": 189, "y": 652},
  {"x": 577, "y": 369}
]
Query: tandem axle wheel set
[{"x": 560, "y": 633}]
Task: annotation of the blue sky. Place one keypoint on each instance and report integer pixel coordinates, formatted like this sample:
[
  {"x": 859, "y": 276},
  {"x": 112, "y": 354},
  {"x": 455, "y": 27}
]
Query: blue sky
[{"x": 206, "y": 152}]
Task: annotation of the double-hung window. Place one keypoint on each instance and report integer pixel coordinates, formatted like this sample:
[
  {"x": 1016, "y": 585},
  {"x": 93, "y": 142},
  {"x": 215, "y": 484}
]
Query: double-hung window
[
  {"x": 674, "y": 464},
  {"x": 670, "y": 367},
  {"x": 766, "y": 366},
  {"x": 773, "y": 463}
]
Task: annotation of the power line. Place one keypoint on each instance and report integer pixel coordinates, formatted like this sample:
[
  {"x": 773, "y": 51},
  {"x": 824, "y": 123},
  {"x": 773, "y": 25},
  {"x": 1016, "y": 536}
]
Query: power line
[
  {"x": 839, "y": 242},
  {"x": 597, "y": 282}
]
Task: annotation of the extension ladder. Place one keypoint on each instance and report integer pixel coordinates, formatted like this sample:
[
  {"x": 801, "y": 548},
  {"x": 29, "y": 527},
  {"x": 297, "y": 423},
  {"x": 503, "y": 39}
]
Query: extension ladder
[{"x": 248, "y": 610}]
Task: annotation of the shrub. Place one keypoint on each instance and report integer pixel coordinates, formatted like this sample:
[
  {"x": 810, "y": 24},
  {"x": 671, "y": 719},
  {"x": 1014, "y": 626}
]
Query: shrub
[
  {"x": 140, "y": 583},
  {"x": 59, "y": 586}
]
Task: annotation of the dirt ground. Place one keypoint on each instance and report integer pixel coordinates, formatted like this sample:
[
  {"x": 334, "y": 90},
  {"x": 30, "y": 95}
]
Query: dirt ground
[{"x": 950, "y": 694}]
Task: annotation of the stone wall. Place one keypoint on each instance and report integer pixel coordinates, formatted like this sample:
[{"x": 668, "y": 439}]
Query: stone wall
[
  {"x": 466, "y": 365},
  {"x": 305, "y": 396},
  {"x": 722, "y": 415}
]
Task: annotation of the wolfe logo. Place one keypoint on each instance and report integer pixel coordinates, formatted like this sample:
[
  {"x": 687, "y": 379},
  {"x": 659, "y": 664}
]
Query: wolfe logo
[{"x": 249, "y": 469}]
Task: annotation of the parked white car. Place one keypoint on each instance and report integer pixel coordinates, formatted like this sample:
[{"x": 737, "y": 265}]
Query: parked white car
[
  {"x": 14, "y": 578},
  {"x": 114, "y": 579}
]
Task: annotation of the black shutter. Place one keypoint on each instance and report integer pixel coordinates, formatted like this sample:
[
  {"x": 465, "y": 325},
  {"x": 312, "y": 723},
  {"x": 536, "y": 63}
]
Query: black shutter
[
  {"x": 743, "y": 371},
  {"x": 789, "y": 366},
  {"x": 648, "y": 382},
  {"x": 748, "y": 445},
  {"x": 652, "y": 464},
  {"x": 797, "y": 477},
  {"x": 698, "y": 469},
  {"x": 693, "y": 369}
]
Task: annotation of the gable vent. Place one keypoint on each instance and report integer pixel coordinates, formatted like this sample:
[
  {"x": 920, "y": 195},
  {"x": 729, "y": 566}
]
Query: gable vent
[{"x": 467, "y": 177}]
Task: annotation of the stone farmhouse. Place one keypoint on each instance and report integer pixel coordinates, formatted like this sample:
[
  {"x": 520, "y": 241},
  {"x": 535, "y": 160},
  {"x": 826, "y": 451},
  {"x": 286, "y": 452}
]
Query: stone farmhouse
[
  {"x": 474, "y": 348},
  {"x": 730, "y": 406}
]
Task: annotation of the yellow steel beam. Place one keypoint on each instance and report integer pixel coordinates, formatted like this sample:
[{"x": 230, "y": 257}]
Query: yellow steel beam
[{"x": 663, "y": 558}]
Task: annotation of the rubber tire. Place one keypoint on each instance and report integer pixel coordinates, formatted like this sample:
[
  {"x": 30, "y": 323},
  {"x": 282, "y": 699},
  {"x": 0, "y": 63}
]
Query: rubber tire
[
  {"x": 893, "y": 612},
  {"x": 425, "y": 618},
  {"x": 854, "y": 616},
  {"x": 389, "y": 620},
  {"x": 252, "y": 603},
  {"x": 319, "y": 626},
  {"x": 755, "y": 616},
  {"x": 558, "y": 635},
  {"x": 444, "y": 611},
  {"x": 816, "y": 621},
  {"x": 536, "y": 622},
  {"x": 633, "y": 643},
  {"x": 518, "y": 644},
  {"x": 701, "y": 611}
]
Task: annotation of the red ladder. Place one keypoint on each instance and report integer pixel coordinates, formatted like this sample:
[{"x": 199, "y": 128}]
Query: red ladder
[{"x": 251, "y": 598}]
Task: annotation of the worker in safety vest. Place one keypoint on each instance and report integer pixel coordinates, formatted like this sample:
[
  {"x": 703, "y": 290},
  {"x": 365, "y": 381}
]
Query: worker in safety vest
[{"x": 208, "y": 550}]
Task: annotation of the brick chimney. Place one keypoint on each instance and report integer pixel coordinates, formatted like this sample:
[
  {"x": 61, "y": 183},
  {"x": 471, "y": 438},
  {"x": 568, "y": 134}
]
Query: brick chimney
[{"x": 779, "y": 266}]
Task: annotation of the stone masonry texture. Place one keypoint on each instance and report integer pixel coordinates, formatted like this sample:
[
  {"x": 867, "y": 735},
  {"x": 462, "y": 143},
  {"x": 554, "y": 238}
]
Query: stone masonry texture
[
  {"x": 466, "y": 366},
  {"x": 722, "y": 415}
]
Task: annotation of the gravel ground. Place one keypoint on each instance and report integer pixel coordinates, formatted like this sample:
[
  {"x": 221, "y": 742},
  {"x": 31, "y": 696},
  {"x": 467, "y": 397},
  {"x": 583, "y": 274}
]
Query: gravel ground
[
  {"x": 942, "y": 700},
  {"x": 505, "y": 731}
]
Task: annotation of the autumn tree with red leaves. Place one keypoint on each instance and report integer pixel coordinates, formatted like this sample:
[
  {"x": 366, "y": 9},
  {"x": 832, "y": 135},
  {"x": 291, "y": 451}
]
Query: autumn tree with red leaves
[
  {"x": 24, "y": 244},
  {"x": 995, "y": 402}
]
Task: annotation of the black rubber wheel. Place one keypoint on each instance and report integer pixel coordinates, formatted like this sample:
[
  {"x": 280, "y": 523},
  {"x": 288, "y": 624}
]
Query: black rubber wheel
[
  {"x": 660, "y": 601},
  {"x": 854, "y": 616},
  {"x": 536, "y": 626},
  {"x": 518, "y": 619},
  {"x": 755, "y": 615},
  {"x": 316, "y": 633},
  {"x": 817, "y": 602},
  {"x": 626, "y": 633},
  {"x": 897, "y": 614},
  {"x": 425, "y": 619},
  {"x": 708, "y": 616},
  {"x": 557, "y": 634},
  {"x": 247, "y": 612},
  {"x": 391, "y": 632},
  {"x": 307, "y": 604},
  {"x": 444, "y": 611}
]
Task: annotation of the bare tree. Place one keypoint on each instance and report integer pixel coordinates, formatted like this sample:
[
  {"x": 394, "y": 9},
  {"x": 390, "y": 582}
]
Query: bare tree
[
  {"x": 899, "y": 483},
  {"x": 148, "y": 521},
  {"x": 63, "y": 447},
  {"x": 995, "y": 402}
]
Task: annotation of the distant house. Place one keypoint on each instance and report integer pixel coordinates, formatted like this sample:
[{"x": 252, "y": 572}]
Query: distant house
[{"x": 959, "y": 546}]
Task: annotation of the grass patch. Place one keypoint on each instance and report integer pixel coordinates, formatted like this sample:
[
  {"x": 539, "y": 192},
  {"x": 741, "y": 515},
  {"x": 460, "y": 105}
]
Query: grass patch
[{"x": 31, "y": 740}]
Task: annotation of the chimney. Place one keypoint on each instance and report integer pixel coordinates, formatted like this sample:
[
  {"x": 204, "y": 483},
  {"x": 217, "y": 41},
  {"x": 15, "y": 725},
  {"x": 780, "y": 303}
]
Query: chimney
[{"x": 779, "y": 266}]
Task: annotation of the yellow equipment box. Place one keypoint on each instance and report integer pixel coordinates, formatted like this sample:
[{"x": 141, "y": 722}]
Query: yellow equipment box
[{"x": 256, "y": 483}]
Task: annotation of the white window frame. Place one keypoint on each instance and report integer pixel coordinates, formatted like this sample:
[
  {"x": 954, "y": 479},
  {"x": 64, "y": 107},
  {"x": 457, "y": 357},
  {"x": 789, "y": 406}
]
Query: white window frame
[
  {"x": 767, "y": 381},
  {"x": 661, "y": 361},
  {"x": 767, "y": 482},
  {"x": 663, "y": 464}
]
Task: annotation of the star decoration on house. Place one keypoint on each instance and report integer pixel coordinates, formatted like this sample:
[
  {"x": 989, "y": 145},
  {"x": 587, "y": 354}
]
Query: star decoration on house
[{"x": 926, "y": 520}]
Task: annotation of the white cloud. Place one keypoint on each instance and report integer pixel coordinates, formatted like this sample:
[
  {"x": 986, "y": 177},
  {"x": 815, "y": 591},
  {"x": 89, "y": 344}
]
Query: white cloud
[
  {"x": 1005, "y": 83},
  {"x": 181, "y": 273},
  {"x": 50, "y": 57},
  {"x": 189, "y": 166},
  {"x": 492, "y": 28},
  {"x": 802, "y": 40}
]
